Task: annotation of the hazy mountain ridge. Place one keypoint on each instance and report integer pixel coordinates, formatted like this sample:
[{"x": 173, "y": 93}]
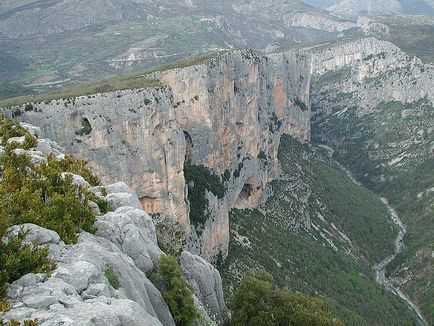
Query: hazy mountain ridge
[
  {"x": 372, "y": 7},
  {"x": 63, "y": 42}
]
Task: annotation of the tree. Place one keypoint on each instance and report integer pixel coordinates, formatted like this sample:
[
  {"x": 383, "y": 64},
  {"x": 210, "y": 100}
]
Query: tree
[
  {"x": 257, "y": 301},
  {"x": 176, "y": 291}
]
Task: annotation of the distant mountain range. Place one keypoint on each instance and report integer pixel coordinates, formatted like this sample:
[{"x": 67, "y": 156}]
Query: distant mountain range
[
  {"x": 357, "y": 7},
  {"x": 58, "y": 42}
]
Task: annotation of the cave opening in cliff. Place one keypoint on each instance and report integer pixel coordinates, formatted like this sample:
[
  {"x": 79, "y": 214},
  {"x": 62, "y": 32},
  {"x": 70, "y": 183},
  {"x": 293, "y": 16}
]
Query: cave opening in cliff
[
  {"x": 188, "y": 146},
  {"x": 249, "y": 194},
  {"x": 246, "y": 192}
]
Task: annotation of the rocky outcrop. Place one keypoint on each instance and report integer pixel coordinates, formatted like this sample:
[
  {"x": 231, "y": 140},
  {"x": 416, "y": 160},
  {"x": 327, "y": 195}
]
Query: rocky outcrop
[
  {"x": 227, "y": 114},
  {"x": 368, "y": 72},
  {"x": 206, "y": 283},
  {"x": 374, "y": 28},
  {"x": 319, "y": 21},
  {"x": 79, "y": 292}
]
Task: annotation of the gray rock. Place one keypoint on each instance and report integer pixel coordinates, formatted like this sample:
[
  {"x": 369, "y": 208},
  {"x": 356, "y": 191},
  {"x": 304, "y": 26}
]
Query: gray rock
[
  {"x": 96, "y": 290},
  {"x": 39, "y": 301},
  {"x": 160, "y": 306},
  {"x": 47, "y": 146},
  {"x": 78, "y": 292},
  {"x": 133, "y": 231},
  {"x": 78, "y": 274},
  {"x": 76, "y": 179},
  {"x": 36, "y": 235},
  {"x": 119, "y": 195},
  {"x": 206, "y": 283},
  {"x": 19, "y": 140},
  {"x": 34, "y": 131},
  {"x": 31, "y": 280}
]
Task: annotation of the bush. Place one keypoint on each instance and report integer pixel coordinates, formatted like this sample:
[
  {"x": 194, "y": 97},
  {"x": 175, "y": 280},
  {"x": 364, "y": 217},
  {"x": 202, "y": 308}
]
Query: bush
[
  {"x": 112, "y": 278},
  {"x": 171, "y": 234},
  {"x": 86, "y": 128},
  {"x": 258, "y": 302},
  {"x": 29, "y": 322},
  {"x": 10, "y": 128},
  {"x": 176, "y": 291},
  {"x": 18, "y": 259},
  {"x": 40, "y": 195}
]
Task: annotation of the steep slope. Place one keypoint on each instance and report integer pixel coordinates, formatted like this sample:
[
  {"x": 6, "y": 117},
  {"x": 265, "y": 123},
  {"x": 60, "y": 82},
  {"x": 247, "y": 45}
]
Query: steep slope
[
  {"x": 376, "y": 110},
  {"x": 318, "y": 233}
]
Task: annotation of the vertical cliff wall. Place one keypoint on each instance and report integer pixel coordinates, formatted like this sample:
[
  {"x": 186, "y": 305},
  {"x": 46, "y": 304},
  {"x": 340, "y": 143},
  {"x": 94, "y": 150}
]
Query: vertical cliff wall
[{"x": 226, "y": 114}]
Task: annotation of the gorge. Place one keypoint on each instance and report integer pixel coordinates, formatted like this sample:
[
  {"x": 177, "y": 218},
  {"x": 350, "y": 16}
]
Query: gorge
[{"x": 233, "y": 114}]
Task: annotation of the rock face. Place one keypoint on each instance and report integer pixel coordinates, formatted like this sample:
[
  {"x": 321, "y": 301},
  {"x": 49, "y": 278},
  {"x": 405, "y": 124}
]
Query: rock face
[
  {"x": 368, "y": 72},
  {"x": 206, "y": 283},
  {"x": 226, "y": 114},
  {"x": 78, "y": 292},
  {"x": 319, "y": 21}
]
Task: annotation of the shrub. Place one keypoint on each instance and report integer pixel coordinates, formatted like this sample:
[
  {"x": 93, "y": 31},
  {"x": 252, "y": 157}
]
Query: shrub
[
  {"x": 86, "y": 128},
  {"x": 28, "y": 107},
  {"x": 29, "y": 142},
  {"x": 176, "y": 291},
  {"x": 28, "y": 322},
  {"x": 258, "y": 302},
  {"x": 112, "y": 278},
  {"x": 40, "y": 195},
  {"x": 18, "y": 259},
  {"x": 171, "y": 234},
  {"x": 10, "y": 128}
]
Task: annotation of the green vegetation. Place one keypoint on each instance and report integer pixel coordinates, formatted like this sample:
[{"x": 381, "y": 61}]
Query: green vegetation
[
  {"x": 413, "y": 34},
  {"x": 390, "y": 151},
  {"x": 18, "y": 259},
  {"x": 301, "y": 104},
  {"x": 323, "y": 233},
  {"x": 38, "y": 194},
  {"x": 257, "y": 301},
  {"x": 176, "y": 291},
  {"x": 199, "y": 180},
  {"x": 171, "y": 235},
  {"x": 187, "y": 62},
  {"x": 28, "y": 322},
  {"x": 332, "y": 76},
  {"x": 86, "y": 128},
  {"x": 112, "y": 278},
  {"x": 102, "y": 86}
]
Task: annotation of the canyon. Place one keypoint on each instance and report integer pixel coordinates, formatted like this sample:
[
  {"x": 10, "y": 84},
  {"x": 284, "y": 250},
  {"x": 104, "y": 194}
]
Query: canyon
[{"x": 228, "y": 114}]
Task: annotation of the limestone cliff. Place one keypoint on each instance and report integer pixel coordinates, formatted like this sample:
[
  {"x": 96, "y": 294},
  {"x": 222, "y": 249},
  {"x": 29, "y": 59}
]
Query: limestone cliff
[
  {"x": 368, "y": 72},
  {"x": 226, "y": 113}
]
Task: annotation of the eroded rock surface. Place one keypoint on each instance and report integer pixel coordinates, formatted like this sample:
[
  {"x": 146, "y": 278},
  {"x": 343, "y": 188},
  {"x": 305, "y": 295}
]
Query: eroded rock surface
[{"x": 226, "y": 114}]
